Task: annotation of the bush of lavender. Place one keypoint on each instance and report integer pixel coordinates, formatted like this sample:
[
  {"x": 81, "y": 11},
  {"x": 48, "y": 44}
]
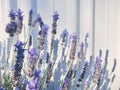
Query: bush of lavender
[{"x": 62, "y": 66}]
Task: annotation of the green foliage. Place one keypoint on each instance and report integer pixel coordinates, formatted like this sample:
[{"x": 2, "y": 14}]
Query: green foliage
[{"x": 7, "y": 82}]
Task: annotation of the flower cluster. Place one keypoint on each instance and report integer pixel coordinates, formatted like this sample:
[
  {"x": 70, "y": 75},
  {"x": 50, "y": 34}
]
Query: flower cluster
[
  {"x": 30, "y": 17},
  {"x": 42, "y": 34},
  {"x": 64, "y": 37},
  {"x": 20, "y": 21},
  {"x": 19, "y": 63},
  {"x": 60, "y": 59},
  {"x": 82, "y": 74},
  {"x": 98, "y": 70},
  {"x": 80, "y": 53},
  {"x": 49, "y": 73},
  {"x": 32, "y": 62},
  {"x": 67, "y": 80},
  {"x": 73, "y": 46},
  {"x": 14, "y": 25},
  {"x": 54, "y": 25},
  {"x": 34, "y": 81}
]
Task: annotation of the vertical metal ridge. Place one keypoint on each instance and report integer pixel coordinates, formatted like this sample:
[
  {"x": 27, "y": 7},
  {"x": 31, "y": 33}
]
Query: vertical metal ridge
[
  {"x": 78, "y": 18},
  {"x": 93, "y": 31}
]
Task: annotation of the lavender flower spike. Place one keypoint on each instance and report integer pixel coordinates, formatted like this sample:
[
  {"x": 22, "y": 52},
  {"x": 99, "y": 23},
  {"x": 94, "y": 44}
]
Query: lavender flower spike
[
  {"x": 11, "y": 27},
  {"x": 54, "y": 25},
  {"x": 19, "y": 14},
  {"x": 32, "y": 61},
  {"x": 12, "y": 14},
  {"x": 30, "y": 17},
  {"x": 19, "y": 63},
  {"x": 97, "y": 72},
  {"x": 80, "y": 53},
  {"x": 34, "y": 81},
  {"x": 74, "y": 37},
  {"x": 20, "y": 21},
  {"x": 55, "y": 16},
  {"x": 73, "y": 46},
  {"x": 42, "y": 34}
]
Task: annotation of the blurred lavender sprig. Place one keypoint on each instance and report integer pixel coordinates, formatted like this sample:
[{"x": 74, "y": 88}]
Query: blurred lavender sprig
[
  {"x": 30, "y": 17},
  {"x": 16, "y": 73},
  {"x": 42, "y": 33},
  {"x": 11, "y": 27},
  {"x": 54, "y": 25},
  {"x": 98, "y": 68},
  {"x": 32, "y": 62},
  {"x": 33, "y": 83},
  {"x": 82, "y": 74},
  {"x": 20, "y": 21}
]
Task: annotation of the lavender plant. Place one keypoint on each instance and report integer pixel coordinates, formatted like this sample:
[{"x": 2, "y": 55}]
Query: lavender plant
[{"x": 75, "y": 72}]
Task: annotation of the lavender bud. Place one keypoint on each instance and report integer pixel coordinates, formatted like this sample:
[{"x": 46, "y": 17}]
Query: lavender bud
[
  {"x": 20, "y": 21},
  {"x": 54, "y": 25},
  {"x": 73, "y": 46},
  {"x": 30, "y": 40},
  {"x": 12, "y": 14},
  {"x": 55, "y": 16},
  {"x": 30, "y": 17}
]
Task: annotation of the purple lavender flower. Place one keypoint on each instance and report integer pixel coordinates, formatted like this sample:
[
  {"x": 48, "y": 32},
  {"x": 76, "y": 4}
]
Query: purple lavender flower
[
  {"x": 54, "y": 25},
  {"x": 12, "y": 14},
  {"x": 44, "y": 30},
  {"x": 55, "y": 16},
  {"x": 19, "y": 14},
  {"x": 80, "y": 53},
  {"x": 98, "y": 63},
  {"x": 20, "y": 21},
  {"x": 42, "y": 34},
  {"x": 24, "y": 85},
  {"x": 83, "y": 73},
  {"x": 32, "y": 52},
  {"x": 2, "y": 89},
  {"x": 47, "y": 57},
  {"x": 34, "y": 81},
  {"x": 30, "y": 12},
  {"x": 74, "y": 37},
  {"x": 19, "y": 44},
  {"x": 97, "y": 72},
  {"x": 73, "y": 46},
  {"x": 82, "y": 45},
  {"x": 30, "y": 17},
  {"x": 32, "y": 61},
  {"x": 30, "y": 40},
  {"x": 36, "y": 73},
  {"x": 11, "y": 27},
  {"x": 64, "y": 36},
  {"x": 19, "y": 63},
  {"x": 39, "y": 20}
]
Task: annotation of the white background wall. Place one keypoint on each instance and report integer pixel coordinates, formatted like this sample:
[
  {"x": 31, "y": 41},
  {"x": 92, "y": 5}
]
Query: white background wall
[{"x": 76, "y": 16}]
